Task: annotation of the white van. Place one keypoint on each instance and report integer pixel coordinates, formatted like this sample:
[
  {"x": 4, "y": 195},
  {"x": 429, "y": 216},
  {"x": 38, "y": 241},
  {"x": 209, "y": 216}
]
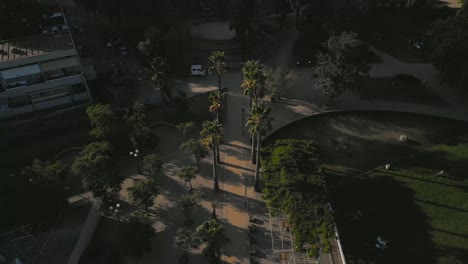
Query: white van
[{"x": 197, "y": 70}]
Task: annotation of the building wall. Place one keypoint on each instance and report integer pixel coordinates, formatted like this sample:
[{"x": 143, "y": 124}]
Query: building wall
[{"x": 41, "y": 82}]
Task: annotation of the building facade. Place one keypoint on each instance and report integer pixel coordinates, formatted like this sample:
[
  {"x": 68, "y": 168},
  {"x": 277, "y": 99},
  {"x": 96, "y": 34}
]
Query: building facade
[{"x": 40, "y": 74}]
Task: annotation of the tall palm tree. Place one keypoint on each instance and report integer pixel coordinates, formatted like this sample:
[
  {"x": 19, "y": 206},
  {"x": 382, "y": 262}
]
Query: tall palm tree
[
  {"x": 254, "y": 80},
  {"x": 216, "y": 99},
  {"x": 259, "y": 123},
  {"x": 212, "y": 135},
  {"x": 218, "y": 65},
  {"x": 159, "y": 71}
]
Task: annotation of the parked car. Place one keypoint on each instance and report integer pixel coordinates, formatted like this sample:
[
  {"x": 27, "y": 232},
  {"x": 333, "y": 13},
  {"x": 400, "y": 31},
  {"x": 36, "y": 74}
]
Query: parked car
[
  {"x": 197, "y": 70},
  {"x": 124, "y": 51}
]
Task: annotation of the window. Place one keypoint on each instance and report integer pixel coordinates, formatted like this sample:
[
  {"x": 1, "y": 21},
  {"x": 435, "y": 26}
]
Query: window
[{"x": 49, "y": 94}]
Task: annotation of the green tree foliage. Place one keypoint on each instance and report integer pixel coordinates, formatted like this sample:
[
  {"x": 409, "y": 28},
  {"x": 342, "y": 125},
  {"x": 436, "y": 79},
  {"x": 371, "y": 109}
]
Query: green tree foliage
[
  {"x": 160, "y": 74},
  {"x": 218, "y": 65},
  {"x": 195, "y": 148},
  {"x": 294, "y": 184},
  {"x": 277, "y": 80},
  {"x": 450, "y": 53},
  {"x": 95, "y": 167},
  {"x": 152, "y": 165},
  {"x": 188, "y": 203},
  {"x": 212, "y": 234},
  {"x": 187, "y": 174},
  {"x": 211, "y": 137},
  {"x": 186, "y": 239},
  {"x": 216, "y": 99},
  {"x": 259, "y": 123},
  {"x": 100, "y": 116},
  {"x": 187, "y": 129},
  {"x": 254, "y": 80},
  {"x": 35, "y": 196},
  {"x": 141, "y": 134},
  {"x": 337, "y": 70},
  {"x": 143, "y": 193}
]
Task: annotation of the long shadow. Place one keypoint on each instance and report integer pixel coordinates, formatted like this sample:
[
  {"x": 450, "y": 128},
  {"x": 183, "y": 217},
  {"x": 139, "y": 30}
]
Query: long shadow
[
  {"x": 384, "y": 214},
  {"x": 442, "y": 205},
  {"x": 449, "y": 232},
  {"x": 238, "y": 147},
  {"x": 424, "y": 180},
  {"x": 235, "y": 166}
]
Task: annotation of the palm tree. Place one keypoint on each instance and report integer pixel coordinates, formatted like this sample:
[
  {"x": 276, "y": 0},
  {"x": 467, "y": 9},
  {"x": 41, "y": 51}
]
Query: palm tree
[
  {"x": 216, "y": 99},
  {"x": 259, "y": 123},
  {"x": 212, "y": 233},
  {"x": 159, "y": 71},
  {"x": 254, "y": 80},
  {"x": 212, "y": 135},
  {"x": 218, "y": 65}
]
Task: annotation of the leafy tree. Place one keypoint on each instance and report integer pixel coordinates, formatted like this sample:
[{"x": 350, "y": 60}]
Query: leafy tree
[
  {"x": 187, "y": 128},
  {"x": 277, "y": 80},
  {"x": 188, "y": 203},
  {"x": 336, "y": 68},
  {"x": 212, "y": 135},
  {"x": 143, "y": 192},
  {"x": 159, "y": 71},
  {"x": 212, "y": 234},
  {"x": 259, "y": 123},
  {"x": 141, "y": 134},
  {"x": 253, "y": 80},
  {"x": 294, "y": 184},
  {"x": 100, "y": 117},
  {"x": 135, "y": 116},
  {"x": 95, "y": 167},
  {"x": 152, "y": 165},
  {"x": 187, "y": 174},
  {"x": 216, "y": 99},
  {"x": 218, "y": 65},
  {"x": 186, "y": 239},
  {"x": 37, "y": 194},
  {"x": 195, "y": 148},
  {"x": 450, "y": 53}
]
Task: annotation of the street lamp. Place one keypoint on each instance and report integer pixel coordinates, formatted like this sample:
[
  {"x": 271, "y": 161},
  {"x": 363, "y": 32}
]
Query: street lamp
[
  {"x": 116, "y": 210},
  {"x": 243, "y": 121},
  {"x": 135, "y": 154},
  {"x": 245, "y": 189}
]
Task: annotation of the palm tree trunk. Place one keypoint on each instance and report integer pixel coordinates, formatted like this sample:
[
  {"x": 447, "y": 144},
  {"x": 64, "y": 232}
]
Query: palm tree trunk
[
  {"x": 250, "y": 103},
  {"x": 190, "y": 184},
  {"x": 217, "y": 117},
  {"x": 257, "y": 165},
  {"x": 215, "y": 175},
  {"x": 252, "y": 158},
  {"x": 218, "y": 160},
  {"x": 219, "y": 81}
]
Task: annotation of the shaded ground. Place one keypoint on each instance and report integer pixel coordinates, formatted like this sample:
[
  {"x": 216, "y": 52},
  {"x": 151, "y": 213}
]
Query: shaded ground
[
  {"x": 356, "y": 142},
  {"x": 397, "y": 90}
]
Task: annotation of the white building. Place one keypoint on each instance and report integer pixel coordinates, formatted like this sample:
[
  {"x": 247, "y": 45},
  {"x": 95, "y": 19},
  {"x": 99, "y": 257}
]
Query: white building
[{"x": 40, "y": 74}]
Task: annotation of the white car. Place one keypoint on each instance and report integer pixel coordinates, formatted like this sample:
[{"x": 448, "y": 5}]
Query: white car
[{"x": 197, "y": 70}]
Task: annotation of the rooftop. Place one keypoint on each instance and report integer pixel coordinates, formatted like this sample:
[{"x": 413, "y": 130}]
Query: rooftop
[{"x": 33, "y": 46}]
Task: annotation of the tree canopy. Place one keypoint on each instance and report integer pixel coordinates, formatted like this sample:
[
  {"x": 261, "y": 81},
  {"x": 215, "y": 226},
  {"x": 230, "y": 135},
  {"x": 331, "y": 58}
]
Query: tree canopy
[
  {"x": 143, "y": 192},
  {"x": 212, "y": 233},
  {"x": 336, "y": 69},
  {"x": 450, "y": 53},
  {"x": 100, "y": 116},
  {"x": 95, "y": 166},
  {"x": 294, "y": 184},
  {"x": 152, "y": 165},
  {"x": 141, "y": 134}
]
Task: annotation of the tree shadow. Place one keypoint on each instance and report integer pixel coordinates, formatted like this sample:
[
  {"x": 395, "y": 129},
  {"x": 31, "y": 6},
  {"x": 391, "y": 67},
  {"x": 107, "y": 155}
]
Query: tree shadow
[{"x": 387, "y": 211}]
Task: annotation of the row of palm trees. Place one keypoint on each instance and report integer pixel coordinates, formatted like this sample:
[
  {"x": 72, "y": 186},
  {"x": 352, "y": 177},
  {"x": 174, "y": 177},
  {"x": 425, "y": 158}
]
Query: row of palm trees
[{"x": 259, "y": 120}]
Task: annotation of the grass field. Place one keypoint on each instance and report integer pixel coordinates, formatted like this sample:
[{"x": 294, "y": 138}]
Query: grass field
[{"x": 425, "y": 215}]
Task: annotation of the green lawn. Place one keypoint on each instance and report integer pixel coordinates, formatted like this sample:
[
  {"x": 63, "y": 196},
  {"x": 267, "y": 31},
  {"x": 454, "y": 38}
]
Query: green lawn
[{"x": 425, "y": 215}]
